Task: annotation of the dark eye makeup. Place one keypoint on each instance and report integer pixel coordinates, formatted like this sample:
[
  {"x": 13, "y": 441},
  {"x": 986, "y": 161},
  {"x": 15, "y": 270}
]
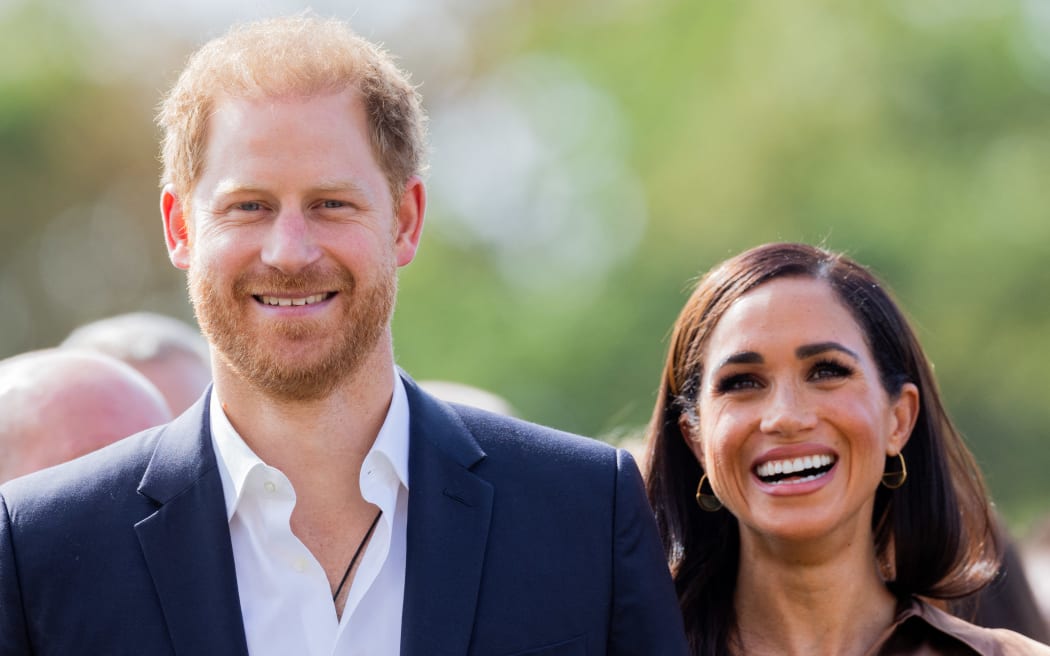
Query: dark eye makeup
[
  {"x": 828, "y": 369},
  {"x": 736, "y": 383},
  {"x": 825, "y": 369}
]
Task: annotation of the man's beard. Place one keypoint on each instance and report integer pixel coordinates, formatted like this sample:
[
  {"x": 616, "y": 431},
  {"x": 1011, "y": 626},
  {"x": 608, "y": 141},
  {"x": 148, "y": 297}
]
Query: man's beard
[{"x": 339, "y": 348}]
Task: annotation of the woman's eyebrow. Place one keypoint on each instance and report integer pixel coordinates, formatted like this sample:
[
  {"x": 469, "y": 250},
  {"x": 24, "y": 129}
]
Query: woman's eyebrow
[
  {"x": 744, "y": 357},
  {"x": 809, "y": 350}
]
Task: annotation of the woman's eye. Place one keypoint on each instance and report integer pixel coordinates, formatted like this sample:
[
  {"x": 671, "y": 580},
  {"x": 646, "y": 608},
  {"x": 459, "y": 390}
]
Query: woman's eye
[
  {"x": 737, "y": 383},
  {"x": 828, "y": 370}
]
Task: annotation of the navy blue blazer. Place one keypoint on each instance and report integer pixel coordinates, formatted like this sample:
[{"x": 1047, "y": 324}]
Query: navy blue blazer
[{"x": 522, "y": 540}]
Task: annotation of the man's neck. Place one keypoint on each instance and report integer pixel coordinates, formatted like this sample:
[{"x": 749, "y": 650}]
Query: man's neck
[
  {"x": 320, "y": 447},
  {"x": 318, "y": 443}
]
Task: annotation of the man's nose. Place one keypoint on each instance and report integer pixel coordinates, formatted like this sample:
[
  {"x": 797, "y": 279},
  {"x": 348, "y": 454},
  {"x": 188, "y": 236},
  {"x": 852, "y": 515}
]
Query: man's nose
[
  {"x": 290, "y": 244},
  {"x": 788, "y": 411}
]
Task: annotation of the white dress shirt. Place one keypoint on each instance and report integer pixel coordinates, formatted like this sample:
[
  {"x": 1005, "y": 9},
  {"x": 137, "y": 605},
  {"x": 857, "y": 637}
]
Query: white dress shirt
[{"x": 286, "y": 600}]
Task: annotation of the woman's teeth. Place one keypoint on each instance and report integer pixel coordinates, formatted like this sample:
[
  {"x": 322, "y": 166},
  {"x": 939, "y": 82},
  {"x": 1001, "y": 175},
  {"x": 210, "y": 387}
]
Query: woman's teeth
[{"x": 795, "y": 470}]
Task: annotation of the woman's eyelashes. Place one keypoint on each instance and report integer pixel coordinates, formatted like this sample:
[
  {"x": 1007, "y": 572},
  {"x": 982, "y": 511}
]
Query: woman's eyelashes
[
  {"x": 827, "y": 369},
  {"x": 823, "y": 370}
]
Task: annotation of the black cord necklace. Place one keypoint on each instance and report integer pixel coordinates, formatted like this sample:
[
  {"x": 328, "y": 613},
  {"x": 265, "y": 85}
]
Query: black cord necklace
[{"x": 357, "y": 553}]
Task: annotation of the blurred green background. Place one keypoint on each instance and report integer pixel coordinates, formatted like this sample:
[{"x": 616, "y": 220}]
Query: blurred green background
[{"x": 591, "y": 159}]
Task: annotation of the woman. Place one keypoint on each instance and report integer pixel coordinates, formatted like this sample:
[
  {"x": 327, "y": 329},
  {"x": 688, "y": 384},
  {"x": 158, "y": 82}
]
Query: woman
[{"x": 808, "y": 484}]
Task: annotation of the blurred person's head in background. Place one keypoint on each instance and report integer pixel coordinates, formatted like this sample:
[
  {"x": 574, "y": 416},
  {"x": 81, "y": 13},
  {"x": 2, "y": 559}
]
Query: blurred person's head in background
[
  {"x": 56, "y": 405},
  {"x": 172, "y": 354}
]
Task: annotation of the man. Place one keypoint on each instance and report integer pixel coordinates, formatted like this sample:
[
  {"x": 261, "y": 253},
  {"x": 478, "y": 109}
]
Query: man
[
  {"x": 57, "y": 405},
  {"x": 171, "y": 354},
  {"x": 316, "y": 501}
]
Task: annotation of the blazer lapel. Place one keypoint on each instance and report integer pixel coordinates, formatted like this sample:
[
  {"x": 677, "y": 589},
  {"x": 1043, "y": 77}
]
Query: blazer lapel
[
  {"x": 449, "y": 509},
  {"x": 186, "y": 542}
]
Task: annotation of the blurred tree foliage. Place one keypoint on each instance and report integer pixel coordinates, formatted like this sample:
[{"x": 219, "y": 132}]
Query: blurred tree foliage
[
  {"x": 915, "y": 136},
  {"x": 79, "y": 232}
]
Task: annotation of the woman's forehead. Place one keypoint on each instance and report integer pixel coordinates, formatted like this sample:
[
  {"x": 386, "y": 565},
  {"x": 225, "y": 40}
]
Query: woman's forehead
[{"x": 786, "y": 312}]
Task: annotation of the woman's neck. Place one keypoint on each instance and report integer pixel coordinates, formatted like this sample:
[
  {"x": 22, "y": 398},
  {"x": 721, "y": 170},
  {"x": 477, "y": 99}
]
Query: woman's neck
[{"x": 810, "y": 598}]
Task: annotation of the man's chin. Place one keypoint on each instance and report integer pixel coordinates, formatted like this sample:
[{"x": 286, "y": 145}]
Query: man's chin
[
  {"x": 296, "y": 387},
  {"x": 297, "y": 379}
]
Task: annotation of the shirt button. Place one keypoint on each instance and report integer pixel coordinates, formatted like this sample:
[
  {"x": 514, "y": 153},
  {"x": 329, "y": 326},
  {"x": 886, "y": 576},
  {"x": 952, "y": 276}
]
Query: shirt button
[
  {"x": 299, "y": 565},
  {"x": 270, "y": 487}
]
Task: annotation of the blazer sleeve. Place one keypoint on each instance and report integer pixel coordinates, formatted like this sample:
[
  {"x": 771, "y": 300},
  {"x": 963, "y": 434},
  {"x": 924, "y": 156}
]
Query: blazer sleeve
[
  {"x": 646, "y": 620},
  {"x": 14, "y": 640}
]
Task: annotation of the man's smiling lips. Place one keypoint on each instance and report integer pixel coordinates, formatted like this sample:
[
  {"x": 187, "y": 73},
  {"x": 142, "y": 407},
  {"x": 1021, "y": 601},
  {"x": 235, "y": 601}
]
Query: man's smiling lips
[{"x": 286, "y": 301}]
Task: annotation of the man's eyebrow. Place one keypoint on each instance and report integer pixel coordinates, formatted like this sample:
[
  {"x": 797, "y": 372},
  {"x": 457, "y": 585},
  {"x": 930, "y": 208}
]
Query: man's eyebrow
[
  {"x": 333, "y": 185},
  {"x": 809, "y": 350},
  {"x": 229, "y": 187}
]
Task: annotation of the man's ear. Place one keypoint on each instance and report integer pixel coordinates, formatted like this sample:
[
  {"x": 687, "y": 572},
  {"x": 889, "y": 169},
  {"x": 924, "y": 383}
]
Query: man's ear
[
  {"x": 176, "y": 227},
  {"x": 410, "y": 220}
]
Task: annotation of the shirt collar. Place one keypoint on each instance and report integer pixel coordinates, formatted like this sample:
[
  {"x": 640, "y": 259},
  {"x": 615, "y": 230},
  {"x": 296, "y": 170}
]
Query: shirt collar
[
  {"x": 392, "y": 440},
  {"x": 936, "y": 621},
  {"x": 236, "y": 459}
]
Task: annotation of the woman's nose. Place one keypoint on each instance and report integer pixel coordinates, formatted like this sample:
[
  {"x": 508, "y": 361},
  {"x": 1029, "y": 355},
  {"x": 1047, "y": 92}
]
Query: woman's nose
[{"x": 787, "y": 411}]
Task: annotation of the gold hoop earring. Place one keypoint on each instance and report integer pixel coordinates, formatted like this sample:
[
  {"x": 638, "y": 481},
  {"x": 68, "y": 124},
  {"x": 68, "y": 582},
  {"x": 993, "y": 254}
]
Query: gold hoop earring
[
  {"x": 707, "y": 502},
  {"x": 894, "y": 480}
]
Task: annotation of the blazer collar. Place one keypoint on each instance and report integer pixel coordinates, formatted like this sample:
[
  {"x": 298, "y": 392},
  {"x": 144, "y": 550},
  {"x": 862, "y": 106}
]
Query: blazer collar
[
  {"x": 186, "y": 542},
  {"x": 183, "y": 455},
  {"x": 449, "y": 510}
]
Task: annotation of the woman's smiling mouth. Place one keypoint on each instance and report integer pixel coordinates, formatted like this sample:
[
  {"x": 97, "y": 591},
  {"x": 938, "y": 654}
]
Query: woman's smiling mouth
[{"x": 795, "y": 470}]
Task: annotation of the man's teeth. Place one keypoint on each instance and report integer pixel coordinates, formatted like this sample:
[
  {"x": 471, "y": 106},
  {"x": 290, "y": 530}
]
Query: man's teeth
[
  {"x": 282, "y": 301},
  {"x": 801, "y": 469}
]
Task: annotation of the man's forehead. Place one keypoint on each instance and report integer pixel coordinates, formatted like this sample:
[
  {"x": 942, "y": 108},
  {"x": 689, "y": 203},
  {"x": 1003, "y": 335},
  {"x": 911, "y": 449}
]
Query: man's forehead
[{"x": 261, "y": 100}]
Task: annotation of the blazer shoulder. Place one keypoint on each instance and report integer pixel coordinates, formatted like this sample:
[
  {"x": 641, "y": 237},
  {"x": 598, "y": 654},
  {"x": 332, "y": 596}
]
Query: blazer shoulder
[
  {"x": 499, "y": 433},
  {"x": 522, "y": 453},
  {"x": 473, "y": 437}
]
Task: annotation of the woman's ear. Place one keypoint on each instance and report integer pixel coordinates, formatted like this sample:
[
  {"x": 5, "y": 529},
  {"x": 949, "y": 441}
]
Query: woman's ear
[
  {"x": 692, "y": 439},
  {"x": 685, "y": 427},
  {"x": 905, "y": 413}
]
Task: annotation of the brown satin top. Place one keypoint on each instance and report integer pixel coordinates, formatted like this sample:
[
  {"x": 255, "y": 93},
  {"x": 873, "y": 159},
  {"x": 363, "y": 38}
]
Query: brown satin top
[{"x": 922, "y": 630}]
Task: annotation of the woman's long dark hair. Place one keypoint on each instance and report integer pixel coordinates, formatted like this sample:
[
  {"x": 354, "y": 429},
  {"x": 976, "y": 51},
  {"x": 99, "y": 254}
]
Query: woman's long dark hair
[{"x": 934, "y": 535}]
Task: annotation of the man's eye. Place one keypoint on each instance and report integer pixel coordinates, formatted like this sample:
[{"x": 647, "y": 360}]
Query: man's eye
[
  {"x": 332, "y": 204},
  {"x": 250, "y": 206}
]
